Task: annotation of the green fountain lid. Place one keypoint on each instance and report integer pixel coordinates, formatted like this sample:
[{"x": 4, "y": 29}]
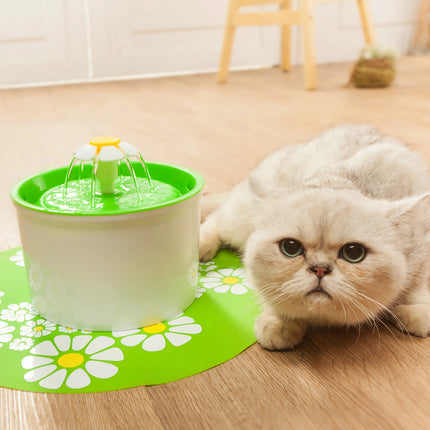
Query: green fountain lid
[{"x": 44, "y": 192}]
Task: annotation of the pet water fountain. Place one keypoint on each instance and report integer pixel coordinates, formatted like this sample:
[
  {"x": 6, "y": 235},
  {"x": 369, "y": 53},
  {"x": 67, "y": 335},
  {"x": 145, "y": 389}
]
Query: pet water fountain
[{"x": 110, "y": 242}]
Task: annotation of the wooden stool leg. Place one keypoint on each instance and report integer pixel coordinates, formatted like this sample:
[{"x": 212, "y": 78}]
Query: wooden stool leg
[
  {"x": 366, "y": 21},
  {"x": 423, "y": 30},
  {"x": 227, "y": 45},
  {"x": 428, "y": 37},
  {"x": 308, "y": 31},
  {"x": 286, "y": 41}
]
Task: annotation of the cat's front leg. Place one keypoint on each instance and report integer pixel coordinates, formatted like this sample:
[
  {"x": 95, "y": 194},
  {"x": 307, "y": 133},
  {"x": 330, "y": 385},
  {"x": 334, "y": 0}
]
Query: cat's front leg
[
  {"x": 413, "y": 314},
  {"x": 210, "y": 240},
  {"x": 276, "y": 333},
  {"x": 413, "y": 318}
]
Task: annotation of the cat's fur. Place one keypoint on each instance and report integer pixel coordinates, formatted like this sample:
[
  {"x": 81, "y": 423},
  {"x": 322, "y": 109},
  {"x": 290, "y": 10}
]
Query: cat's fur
[{"x": 350, "y": 185}]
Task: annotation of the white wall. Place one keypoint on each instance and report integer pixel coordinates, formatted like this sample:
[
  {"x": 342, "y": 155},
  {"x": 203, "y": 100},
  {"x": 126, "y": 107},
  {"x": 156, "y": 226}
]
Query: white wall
[{"x": 74, "y": 40}]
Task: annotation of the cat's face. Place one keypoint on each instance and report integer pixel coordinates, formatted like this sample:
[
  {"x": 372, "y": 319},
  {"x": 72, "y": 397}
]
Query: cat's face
[{"x": 326, "y": 257}]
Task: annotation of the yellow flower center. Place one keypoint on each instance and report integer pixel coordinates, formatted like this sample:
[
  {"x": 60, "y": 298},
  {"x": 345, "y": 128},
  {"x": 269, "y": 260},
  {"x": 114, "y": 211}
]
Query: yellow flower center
[
  {"x": 105, "y": 141},
  {"x": 155, "y": 328},
  {"x": 38, "y": 328},
  {"x": 230, "y": 280},
  {"x": 72, "y": 359},
  {"x": 102, "y": 141}
]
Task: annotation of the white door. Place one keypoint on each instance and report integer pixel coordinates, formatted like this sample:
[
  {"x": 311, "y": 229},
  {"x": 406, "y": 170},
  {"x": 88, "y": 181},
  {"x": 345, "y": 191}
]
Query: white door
[
  {"x": 170, "y": 36},
  {"x": 42, "y": 40}
]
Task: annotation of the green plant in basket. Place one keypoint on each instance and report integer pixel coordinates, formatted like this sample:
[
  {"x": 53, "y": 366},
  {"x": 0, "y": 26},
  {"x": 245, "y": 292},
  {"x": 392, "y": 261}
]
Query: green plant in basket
[{"x": 374, "y": 69}]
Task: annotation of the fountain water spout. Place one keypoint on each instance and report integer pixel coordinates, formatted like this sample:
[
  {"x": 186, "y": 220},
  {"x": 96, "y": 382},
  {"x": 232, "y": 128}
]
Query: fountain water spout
[
  {"x": 108, "y": 175},
  {"x": 106, "y": 153}
]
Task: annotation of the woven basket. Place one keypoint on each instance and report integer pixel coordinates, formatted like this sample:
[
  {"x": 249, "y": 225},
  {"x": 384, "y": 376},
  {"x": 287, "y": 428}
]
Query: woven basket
[{"x": 373, "y": 73}]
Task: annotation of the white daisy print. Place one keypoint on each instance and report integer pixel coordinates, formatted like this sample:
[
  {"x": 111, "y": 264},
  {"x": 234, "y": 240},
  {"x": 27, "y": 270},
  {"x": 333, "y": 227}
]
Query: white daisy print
[
  {"x": 225, "y": 280},
  {"x": 19, "y": 312},
  {"x": 5, "y": 330},
  {"x": 199, "y": 292},
  {"x": 18, "y": 259},
  {"x": 63, "y": 329},
  {"x": 21, "y": 344},
  {"x": 38, "y": 328},
  {"x": 40, "y": 304},
  {"x": 176, "y": 331},
  {"x": 1, "y": 295},
  {"x": 208, "y": 266},
  {"x": 72, "y": 361},
  {"x": 193, "y": 274},
  {"x": 35, "y": 276}
]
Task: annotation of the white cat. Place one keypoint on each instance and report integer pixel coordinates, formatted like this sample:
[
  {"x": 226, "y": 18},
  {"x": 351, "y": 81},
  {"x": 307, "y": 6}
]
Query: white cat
[{"x": 333, "y": 232}]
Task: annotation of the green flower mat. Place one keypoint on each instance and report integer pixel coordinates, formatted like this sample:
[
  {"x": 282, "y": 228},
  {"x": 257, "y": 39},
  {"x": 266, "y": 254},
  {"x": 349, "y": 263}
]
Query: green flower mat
[{"x": 37, "y": 355}]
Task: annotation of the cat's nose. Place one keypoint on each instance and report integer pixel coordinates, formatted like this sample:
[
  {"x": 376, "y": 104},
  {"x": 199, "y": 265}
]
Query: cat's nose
[{"x": 320, "y": 271}]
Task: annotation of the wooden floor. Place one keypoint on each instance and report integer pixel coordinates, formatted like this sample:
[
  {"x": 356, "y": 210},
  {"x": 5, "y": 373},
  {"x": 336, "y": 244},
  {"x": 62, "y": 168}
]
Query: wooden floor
[{"x": 339, "y": 379}]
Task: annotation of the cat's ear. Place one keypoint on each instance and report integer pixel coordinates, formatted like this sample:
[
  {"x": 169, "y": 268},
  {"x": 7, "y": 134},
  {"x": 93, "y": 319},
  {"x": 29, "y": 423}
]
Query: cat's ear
[
  {"x": 412, "y": 211},
  {"x": 257, "y": 186}
]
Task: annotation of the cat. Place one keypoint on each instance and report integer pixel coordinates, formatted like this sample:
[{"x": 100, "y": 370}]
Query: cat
[{"x": 335, "y": 231}]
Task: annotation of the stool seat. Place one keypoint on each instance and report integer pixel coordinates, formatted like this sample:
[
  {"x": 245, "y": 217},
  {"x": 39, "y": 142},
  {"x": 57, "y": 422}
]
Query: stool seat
[{"x": 286, "y": 17}]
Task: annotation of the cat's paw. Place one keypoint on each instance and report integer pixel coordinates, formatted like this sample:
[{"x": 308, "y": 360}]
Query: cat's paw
[
  {"x": 414, "y": 319},
  {"x": 209, "y": 241},
  {"x": 207, "y": 251},
  {"x": 275, "y": 333}
]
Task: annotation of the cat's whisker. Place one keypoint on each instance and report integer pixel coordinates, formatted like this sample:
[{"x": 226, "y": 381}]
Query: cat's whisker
[
  {"x": 276, "y": 295},
  {"x": 275, "y": 298},
  {"x": 384, "y": 309},
  {"x": 369, "y": 318},
  {"x": 351, "y": 300},
  {"x": 274, "y": 292},
  {"x": 376, "y": 317},
  {"x": 382, "y": 322},
  {"x": 375, "y": 326},
  {"x": 347, "y": 298},
  {"x": 344, "y": 310},
  {"x": 372, "y": 320},
  {"x": 387, "y": 310},
  {"x": 363, "y": 310},
  {"x": 343, "y": 294},
  {"x": 250, "y": 307},
  {"x": 357, "y": 319}
]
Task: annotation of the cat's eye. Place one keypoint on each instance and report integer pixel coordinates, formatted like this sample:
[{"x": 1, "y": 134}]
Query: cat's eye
[
  {"x": 353, "y": 252},
  {"x": 291, "y": 247}
]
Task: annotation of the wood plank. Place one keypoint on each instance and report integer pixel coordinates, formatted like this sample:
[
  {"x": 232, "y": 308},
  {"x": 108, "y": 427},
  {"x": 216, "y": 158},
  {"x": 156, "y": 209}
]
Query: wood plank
[
  {"x": 281, "y": 17},
  {"x": 256, "y": 2}
]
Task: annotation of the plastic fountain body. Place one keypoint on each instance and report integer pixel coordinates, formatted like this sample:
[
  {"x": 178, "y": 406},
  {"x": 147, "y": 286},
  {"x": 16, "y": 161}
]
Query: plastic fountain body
[{"x": 110, "y": 242}]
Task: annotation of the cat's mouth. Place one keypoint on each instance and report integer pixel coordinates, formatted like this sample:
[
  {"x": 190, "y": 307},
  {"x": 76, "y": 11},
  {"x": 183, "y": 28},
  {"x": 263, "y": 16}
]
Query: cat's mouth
[{"x": 319, "y": 290}]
